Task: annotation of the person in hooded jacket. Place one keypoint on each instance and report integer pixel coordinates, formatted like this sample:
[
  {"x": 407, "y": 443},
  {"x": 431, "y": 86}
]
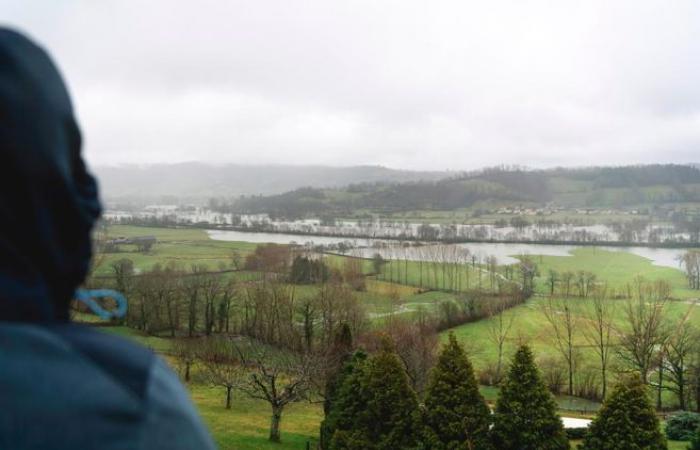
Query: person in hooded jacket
[{"x": 62, "y": 385}]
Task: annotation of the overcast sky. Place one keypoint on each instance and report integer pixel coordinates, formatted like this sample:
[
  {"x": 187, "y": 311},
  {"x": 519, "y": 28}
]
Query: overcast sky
[{"x": 406, "y": 83}]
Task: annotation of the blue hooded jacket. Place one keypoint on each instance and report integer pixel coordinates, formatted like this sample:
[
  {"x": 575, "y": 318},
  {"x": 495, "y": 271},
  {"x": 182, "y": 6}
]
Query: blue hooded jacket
[{"x": 64, "y": 386}]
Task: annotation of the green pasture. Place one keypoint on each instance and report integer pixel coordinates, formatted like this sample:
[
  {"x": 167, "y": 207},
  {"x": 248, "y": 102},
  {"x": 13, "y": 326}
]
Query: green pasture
[
  {"x": 182, "y": 246},
  {"x": 436, "y": 275},
  {"x": 616, "y": 268}
]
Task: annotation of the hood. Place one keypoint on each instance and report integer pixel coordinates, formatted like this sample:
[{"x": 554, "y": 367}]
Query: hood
[{"x": 48, "y": 200}]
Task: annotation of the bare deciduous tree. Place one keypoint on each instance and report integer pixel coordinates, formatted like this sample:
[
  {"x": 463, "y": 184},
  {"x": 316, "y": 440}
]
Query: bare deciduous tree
[
  {"x": 647, "y": 329},
  {"x": 186, "y": 355},
  {"x": 563, "y": 321},
  {"x": 278, "y": 378},
  {"x": 191, "y": 286},
  {"x": 223, "y": 366},
  {"x": 679, "y": 350},
  {"x": 416, "y": 343},
  {"x": 499, "y": 329},
  {"x": 599, "y": 331}
]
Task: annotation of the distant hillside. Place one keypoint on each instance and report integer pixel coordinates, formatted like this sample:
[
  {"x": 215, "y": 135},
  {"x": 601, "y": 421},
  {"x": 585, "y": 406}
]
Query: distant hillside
[
  {"x": 196, "y": 181},
  {"x": 594, "y": 187}
]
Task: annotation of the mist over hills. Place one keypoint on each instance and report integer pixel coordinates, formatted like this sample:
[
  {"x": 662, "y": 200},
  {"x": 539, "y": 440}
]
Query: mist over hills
[
  {"x": 302, "y": 190},
  {"x": 648, "y": 186},
  {"x": 197, "y": 181}
]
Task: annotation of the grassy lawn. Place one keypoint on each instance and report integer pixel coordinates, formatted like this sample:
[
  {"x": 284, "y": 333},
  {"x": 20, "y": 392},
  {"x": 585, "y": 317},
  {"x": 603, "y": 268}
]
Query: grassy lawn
[{"x": 246, "y": 425}]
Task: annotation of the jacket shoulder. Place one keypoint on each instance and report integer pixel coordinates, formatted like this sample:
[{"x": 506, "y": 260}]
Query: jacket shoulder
[{"x": 127, "y": 362}]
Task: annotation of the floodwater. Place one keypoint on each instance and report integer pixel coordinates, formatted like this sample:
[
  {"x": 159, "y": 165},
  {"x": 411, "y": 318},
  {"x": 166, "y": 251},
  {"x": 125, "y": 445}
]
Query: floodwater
[
  {"x": 284, "y": 238},
  {"x": 504, "y": 253}
]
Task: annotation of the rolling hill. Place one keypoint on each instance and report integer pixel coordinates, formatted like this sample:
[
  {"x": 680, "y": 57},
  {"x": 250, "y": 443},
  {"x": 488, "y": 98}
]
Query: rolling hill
[{"x": 593, "y": 187}]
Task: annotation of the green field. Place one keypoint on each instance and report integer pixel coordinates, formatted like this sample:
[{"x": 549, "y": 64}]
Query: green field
[
  {"x": 438, "y": 276},
  {"x": 530, "y": 326},
  {"x": 616, "y": 268},
  {"x": 182, "y": 246}
]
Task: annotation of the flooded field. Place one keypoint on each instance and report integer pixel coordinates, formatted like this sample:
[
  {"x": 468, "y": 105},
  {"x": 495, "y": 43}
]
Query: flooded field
[{"x": 504, "y": 253}]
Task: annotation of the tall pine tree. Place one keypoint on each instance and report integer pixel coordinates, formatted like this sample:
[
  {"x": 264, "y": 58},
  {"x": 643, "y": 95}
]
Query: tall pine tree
[
  {"x": 455, "y": 415},
  {"x": 376, "y": 409},
  {"x": 340, "y": 364},
  {"x": 525, "y": 416},
  {"x": 626, "y": 420}
]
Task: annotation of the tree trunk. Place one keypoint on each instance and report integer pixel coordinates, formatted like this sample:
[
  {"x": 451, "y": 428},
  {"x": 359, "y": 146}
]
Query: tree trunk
[
  {"x": 660, "y": 387},
  {"x": 605, "y": 380},
  {"x": 571, "y": 380},
  {"x": 275, "y": 424},
  {"x": 187, "y": 372},
  {"x": 228, "y": 397},
  {"x": 681, "y": 393},
  {"x": 571, "y": 369},
  {"x": 500, "y": 362},
  {"x": 697, "y": 391}
]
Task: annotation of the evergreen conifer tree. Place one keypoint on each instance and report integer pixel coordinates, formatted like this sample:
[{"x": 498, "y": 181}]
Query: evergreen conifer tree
[
  {"x": 456, "y": 415},
  {"x": 340, "y": 363},
  {"x": 626, "y": 420},
  {"x": 525, "y": 416},
  {"x": 376, "y": 409}
]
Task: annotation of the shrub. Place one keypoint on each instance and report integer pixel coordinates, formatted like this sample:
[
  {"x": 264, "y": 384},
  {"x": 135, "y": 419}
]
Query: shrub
[
  {"x": 682, "y": 426},
  {"x": 576, "y": 433},
  {"x": 553, "y": 374}
]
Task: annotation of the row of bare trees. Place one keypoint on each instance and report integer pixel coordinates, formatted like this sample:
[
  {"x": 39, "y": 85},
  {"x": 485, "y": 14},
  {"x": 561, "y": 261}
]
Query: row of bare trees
[
  {"x": 450, "y": 268},
  {"x": 168, "y": 300},
  {"x": 569, "y": 283}
]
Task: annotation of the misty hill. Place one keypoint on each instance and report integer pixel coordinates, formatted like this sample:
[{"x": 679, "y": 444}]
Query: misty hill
[
  {"x": 594, "y": 187},
  {"x": 196, "y": 181}
]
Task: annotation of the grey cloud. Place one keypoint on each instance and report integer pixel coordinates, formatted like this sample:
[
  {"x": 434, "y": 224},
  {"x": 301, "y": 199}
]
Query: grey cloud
[{"x": 411, "y": 84}]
